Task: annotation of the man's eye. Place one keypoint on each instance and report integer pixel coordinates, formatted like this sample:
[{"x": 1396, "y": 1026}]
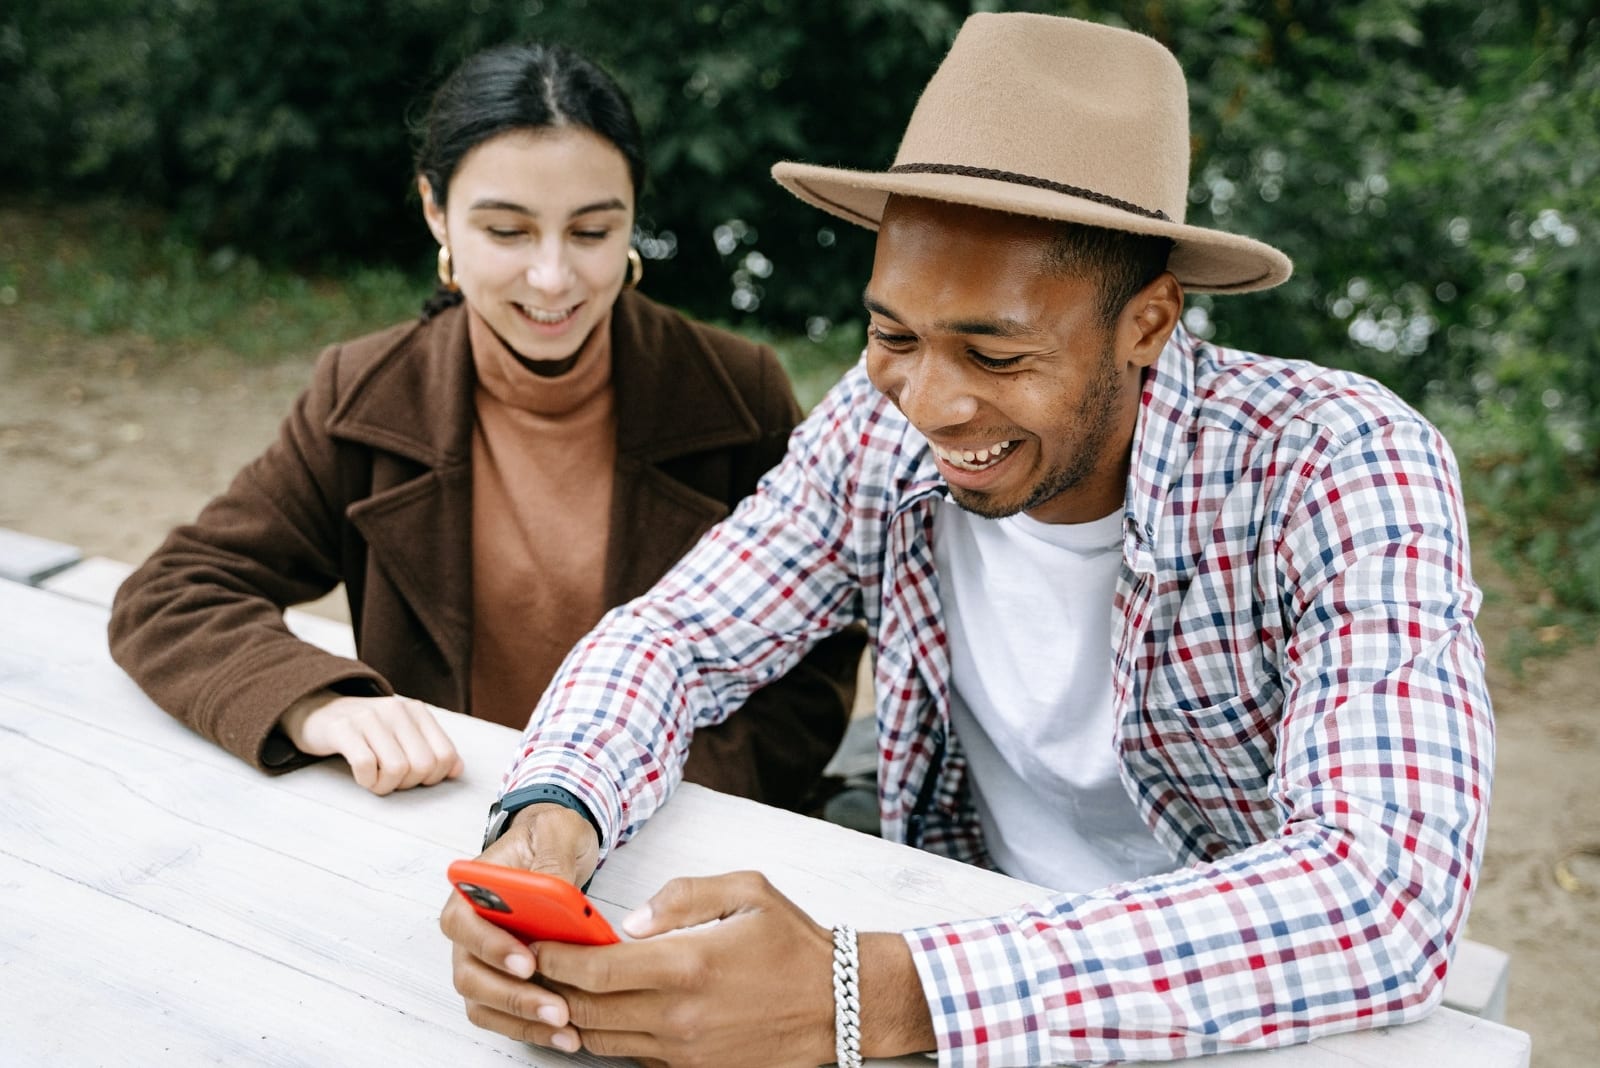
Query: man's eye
[
  {"x": 890, "y": 340},
  {"x": 993, "y": 364}
]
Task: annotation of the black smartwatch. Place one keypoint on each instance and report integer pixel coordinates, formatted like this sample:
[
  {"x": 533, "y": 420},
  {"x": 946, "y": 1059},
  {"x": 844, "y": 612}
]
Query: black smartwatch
[{"x": 501, "y": 811}]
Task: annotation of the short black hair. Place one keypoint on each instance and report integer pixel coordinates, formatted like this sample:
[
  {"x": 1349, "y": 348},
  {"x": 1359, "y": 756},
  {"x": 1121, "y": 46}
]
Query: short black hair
[{"x": 1123, "y": 263}]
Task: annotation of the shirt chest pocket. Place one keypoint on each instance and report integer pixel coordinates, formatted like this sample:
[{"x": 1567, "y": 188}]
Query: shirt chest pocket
[
  {"x": 1239, "y": 732},
  {"x": 1218, "y": 749}
]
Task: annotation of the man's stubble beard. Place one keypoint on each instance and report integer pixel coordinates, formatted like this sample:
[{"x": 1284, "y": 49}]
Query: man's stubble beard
[{"x": 1096, "y": 412}]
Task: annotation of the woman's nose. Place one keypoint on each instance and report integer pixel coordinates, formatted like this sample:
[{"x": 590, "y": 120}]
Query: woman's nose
[{"x": 550, "y": 270}]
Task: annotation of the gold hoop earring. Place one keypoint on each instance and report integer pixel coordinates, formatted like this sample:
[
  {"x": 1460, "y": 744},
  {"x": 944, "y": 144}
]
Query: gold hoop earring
[
  {"x": 447, "y": 270},
  {"x": 635, "y": 273}
]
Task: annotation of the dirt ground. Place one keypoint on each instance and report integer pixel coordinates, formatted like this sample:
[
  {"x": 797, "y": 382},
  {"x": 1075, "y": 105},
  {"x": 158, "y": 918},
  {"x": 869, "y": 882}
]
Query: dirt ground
[{"x": 106, "y": 445}]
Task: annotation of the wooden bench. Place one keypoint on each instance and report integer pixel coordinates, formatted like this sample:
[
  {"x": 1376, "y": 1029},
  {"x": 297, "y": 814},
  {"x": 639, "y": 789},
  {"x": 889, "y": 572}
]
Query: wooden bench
[
  {"x": 30, "y": 560},
  {"x": 1478, "y": 976}
]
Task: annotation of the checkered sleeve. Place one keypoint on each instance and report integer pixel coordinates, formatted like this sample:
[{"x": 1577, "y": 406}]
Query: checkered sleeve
[
  {"x": 741, "y": 609},
  {"x": 1343, "y": 919}
]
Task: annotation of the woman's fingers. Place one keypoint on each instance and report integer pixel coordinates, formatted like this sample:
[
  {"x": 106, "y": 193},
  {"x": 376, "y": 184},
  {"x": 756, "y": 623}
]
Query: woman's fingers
[
  {"x": 363, "y": 760},
  {"x": 391, "y": 743},
  {"x": 443, "y": 760}
]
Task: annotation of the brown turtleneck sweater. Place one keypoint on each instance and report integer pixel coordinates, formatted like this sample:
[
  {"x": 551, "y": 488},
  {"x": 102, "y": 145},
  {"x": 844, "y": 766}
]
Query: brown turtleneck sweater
[{"x": 543, "y": 456}]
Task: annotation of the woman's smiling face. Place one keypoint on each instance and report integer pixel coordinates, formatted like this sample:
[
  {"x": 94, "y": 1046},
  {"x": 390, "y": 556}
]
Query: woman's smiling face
[{"x": 538, "y": 224}]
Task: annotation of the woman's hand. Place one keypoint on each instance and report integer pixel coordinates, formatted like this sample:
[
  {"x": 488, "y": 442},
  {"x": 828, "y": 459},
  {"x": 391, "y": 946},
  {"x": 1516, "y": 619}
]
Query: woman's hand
[{"x": 391, "y": 743}]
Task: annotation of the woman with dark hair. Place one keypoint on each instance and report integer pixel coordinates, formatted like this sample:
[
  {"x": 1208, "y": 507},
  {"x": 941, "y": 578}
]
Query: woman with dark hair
[{"x": 487, "y": 481}]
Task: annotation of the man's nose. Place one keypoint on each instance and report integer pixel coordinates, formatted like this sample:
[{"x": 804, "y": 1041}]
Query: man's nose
[{"x": 932, "y": 393}]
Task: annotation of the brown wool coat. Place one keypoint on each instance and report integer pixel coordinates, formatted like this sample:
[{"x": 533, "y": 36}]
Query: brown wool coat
[{"x": 370, "y": 483}]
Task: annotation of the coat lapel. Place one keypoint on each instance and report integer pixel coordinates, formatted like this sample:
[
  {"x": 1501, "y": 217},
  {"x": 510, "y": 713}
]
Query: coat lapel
[
  {"x": 674, "y": 398},
  {"x": 415, "y": 408}
]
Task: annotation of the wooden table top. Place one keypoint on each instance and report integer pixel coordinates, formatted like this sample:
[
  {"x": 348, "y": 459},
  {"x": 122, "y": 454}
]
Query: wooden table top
[{"x": 162, "y": 902}]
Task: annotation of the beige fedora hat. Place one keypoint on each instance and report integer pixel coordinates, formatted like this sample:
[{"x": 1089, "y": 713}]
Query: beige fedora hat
[{"x": 1058, "y": 119}]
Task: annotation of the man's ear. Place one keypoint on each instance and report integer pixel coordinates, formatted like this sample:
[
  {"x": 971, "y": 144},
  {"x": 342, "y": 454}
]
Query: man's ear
[
  {"x": 432, "y": 213},
  {"x": 1148, "y": 320}
]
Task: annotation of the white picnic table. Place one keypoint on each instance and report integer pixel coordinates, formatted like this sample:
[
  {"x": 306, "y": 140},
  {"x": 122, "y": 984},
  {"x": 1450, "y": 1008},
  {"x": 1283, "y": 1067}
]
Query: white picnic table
[{"x": 161, "y": 902}]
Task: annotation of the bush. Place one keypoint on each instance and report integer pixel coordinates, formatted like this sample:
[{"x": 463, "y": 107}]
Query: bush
[{"x": 1431, "y": 165}]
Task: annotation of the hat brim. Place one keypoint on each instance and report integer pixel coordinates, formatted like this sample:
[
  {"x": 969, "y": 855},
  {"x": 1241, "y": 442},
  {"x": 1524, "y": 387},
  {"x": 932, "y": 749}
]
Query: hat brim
[{"x": 1203, "y": 261}]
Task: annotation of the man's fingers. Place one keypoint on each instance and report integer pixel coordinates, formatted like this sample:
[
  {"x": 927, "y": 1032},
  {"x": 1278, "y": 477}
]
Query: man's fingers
[
  {"x": 596, "y": 969},
  {"x": 477, "y": 938},
  {"x": 653, "y": 964},
  {"x": 534, "y": 1031},
  {"x": 689, "y": 902},
  {"x": 500, "y": 1002},
  {"x": 628, "y": 1010},
  {"x": 698, "y": 992},
  {"x": 633, "y": 1044},
  {"x": 480, "y": 984}
]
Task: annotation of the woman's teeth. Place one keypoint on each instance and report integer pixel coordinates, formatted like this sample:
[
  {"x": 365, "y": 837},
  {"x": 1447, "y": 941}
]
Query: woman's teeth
[
  {"x": 548, "y": 318},
  {"x": 970, "y": 460}
]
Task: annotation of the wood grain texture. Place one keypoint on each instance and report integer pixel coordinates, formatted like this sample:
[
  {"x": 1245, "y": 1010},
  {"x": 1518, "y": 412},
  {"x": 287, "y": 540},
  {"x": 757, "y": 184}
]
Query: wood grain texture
[{"x": 164, "y": 902}]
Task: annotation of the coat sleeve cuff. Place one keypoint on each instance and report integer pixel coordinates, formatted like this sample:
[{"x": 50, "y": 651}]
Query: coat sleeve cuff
[{"x": 247, "y": 701}]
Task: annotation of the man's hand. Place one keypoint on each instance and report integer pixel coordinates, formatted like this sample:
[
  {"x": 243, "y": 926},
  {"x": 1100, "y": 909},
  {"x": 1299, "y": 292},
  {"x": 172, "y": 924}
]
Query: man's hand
[
  {"x": 491, "y": 967},
  {"x": 391, "y": 743},
  {"x": 753, "y": 987},
  {"x": 725, "y": 970}
]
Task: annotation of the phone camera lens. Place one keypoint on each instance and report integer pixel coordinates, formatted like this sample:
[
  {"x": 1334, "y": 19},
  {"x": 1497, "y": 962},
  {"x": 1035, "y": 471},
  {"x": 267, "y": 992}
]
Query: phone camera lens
[{"x": 484, "y": 899}]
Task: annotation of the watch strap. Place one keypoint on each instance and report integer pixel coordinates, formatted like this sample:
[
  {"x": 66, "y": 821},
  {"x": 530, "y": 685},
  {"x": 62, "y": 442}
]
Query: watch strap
[{"x": 501, "y": 811}]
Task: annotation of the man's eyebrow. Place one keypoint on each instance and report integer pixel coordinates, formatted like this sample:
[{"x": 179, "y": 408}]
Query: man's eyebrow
[
  {"x": 876, "y": 308},
  {"x": 611, "y": 204},
  {"x": 1002, "y": 327},
  {"x": 1007, "y": 328}
]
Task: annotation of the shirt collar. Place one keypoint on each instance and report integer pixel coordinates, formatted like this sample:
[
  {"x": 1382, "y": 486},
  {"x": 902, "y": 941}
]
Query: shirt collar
[{"x": 1160, "y": 443}]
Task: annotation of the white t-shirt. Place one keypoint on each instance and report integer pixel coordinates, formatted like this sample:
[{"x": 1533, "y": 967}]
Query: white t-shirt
[{"x": 1027, "y": 607}]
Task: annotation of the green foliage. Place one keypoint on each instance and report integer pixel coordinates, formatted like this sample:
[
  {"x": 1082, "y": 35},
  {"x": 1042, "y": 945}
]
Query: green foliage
[
  {"x": 1431, "y": 165},
  {"x": 101, "y": 270},
  {"x": 813, "y": 362}
]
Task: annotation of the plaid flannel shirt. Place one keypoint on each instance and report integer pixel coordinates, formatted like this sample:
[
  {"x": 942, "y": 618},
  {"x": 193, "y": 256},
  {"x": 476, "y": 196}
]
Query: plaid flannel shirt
[{"x": 1302, "y": 713}]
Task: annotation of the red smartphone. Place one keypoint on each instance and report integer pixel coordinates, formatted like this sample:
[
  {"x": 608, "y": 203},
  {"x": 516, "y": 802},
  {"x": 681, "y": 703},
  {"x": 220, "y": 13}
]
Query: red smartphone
[{"x": 531, "y": 905}]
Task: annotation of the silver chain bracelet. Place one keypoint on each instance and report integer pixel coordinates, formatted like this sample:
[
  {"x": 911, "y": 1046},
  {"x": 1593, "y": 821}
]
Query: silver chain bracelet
[{"x": 846, "y": 997}]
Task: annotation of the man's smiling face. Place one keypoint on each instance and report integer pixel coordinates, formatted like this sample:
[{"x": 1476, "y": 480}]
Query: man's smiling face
[{"x": 1005, "y": 363}]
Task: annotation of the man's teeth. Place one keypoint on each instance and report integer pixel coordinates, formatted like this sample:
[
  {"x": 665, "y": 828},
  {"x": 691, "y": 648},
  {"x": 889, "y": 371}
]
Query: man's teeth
[
  {"x": 971, "y": 460},
  {"x": 551, "y": 317}
]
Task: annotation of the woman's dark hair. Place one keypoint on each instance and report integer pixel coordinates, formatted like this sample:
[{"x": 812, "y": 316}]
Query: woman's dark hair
[{"x": 519, "y": 87}]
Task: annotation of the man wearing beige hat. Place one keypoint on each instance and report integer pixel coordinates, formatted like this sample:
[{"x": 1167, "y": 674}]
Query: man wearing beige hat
[{"x": 1182, "y": 632}]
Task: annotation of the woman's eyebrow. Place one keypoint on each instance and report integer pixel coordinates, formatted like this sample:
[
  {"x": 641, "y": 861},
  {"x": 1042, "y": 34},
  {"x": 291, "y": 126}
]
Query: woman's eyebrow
[
  {"x": 487, "y": 204},
  {"x": 613, "y": 204}
]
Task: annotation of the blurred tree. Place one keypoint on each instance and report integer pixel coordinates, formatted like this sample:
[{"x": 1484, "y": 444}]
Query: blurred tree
[
  {"x": 1434, "y": 169},
  {"x": 1431, "y": 165}
]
